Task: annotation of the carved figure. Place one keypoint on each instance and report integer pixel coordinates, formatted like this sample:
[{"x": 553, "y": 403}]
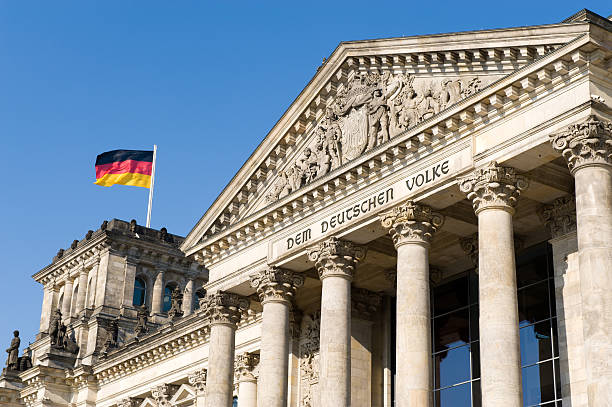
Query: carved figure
[
  {"x": 369, "y": 111},
  {"x": 70, "y": 344},
  {"x": 176, "y": 300},
  {"x": 112, "y": 336},
  {"x": 12, "y": 363},
  {"x": 25, "y": 361},
  {"x": 55, "y": 328},
  {"x": 143, "y": 318}
]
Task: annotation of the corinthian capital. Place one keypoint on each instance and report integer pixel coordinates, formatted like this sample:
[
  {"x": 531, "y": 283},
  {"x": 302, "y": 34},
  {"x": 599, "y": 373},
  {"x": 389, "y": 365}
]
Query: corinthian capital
[
  {"x": 411, "y": 223},
  {"x": 586, "y": 143},
  {"x": 560, "y": 216},
  {"x": 336, "y": 257},
  {"x": 244, "y": 365},
  {"x": 197, "y": 380},
  {"x": 224, "y": 308},
  {"x": 493, "y": 186},
  {"x": 276, "y": 284}
]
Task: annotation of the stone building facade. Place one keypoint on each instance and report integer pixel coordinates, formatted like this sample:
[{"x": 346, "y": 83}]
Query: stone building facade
[{"x": 428, "y": 224}]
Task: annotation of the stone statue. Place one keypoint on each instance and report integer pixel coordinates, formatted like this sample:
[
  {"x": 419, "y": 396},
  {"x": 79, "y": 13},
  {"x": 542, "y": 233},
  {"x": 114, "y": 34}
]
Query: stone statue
[
  {"x": 69, "y": 343},
  {"x": 25, "y": 361},
  {"x": 176, "y": 301},
  {"x": 55, "y": 328},
  {"x": 112, "y": 337},
  {"x": 143, "y": 318},
  {"x": 12, "y": 363}
]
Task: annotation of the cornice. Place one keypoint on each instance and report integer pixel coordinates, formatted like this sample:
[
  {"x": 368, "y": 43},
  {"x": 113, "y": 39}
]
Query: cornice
[
  {"x": 512, "y": 93},
  {"x": 161, "y": 345},
  {"x": 424, "y": 52}
]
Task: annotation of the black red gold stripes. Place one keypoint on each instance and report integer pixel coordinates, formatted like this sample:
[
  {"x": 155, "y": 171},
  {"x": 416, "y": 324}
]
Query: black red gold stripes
[{"x": 125, "y": 167}]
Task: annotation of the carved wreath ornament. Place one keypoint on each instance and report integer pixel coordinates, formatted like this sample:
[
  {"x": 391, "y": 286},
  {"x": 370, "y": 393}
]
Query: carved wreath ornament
[
  {"x": 585, "y": 143},
  {"x": 369, "y": 111}
]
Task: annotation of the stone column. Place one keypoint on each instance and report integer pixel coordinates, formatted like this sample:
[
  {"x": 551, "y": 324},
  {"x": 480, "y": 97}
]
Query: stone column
[
  {"x": 82, "y": 294},
  {"x": 197, "y": 380},
  {"x": 411, "y": 227},
  {"x": 48, "y": 305},
  {"x": 127, "y": 306},
  {"x": 560, "y": 219},
  {"x": 222, "y": 310},
  {"x": 188, "y": 295},
  {"x": 587, "y": 147},
  {"x": 276, "y": 288},
  {"x": 67, "y": 299},
  {"x": 335, "y": 261},
  {"x": 494, "y": 191},
  {"x": 157, "y": 300},
  {"x": 247, "y": 382}
]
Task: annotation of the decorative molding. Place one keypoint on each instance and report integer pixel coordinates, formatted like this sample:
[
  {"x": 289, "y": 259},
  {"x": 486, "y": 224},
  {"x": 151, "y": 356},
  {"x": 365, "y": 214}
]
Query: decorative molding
[
  {"x": 411, "y": 223},
  {"x": 224, "y": 308},
  {"x": 276, "y": 284},
  {"x": 364, "y": 303},
  {"x": 493, "y": 186},
  {"x": 586, "y": 143},
  {"x": 336, "y": 257},
  {"x": 129, "y": 402},
  {"x": 560, "y": 216},
  {"x": 163, "y": 393},
  {"x": 197, "y": 379},
  {"x": 366, "y": 113},
  {"x": 309, "y": 359},
  {"x": 469, "y": 245},
  {"x": 244, "y": 366}
]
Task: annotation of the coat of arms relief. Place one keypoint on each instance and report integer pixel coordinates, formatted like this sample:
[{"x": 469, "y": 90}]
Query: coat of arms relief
[{"x": 371, "y": 110}]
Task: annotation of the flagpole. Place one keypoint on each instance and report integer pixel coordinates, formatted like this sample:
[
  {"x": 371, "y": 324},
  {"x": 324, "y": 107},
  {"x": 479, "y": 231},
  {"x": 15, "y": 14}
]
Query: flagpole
[{"x": 152, "y": 185}]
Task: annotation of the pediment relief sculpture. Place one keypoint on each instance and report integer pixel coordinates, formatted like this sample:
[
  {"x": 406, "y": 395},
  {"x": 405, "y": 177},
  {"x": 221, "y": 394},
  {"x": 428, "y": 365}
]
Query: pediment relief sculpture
[{"x": 371, "y": 110}]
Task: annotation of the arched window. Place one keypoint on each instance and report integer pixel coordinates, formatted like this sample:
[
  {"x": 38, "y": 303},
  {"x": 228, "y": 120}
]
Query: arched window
[
  {"x": 168, "y": 296},
  {"x": 140, "y": 292},
  {"x": 200, "y": 294}
]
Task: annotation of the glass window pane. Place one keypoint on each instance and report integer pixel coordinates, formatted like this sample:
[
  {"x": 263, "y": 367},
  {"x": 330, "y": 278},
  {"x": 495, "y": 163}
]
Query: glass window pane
[
  {"x": 538, "y": 384},
  {"x": 139, "y": 293},
  {"x": 451, "y": 330},
  {"x": 532, "y": 265},
  {"x": 452, "y": 367},
  {"x": 553, "y": 300},
  {"x": 555, "y": 334},
  {"x": 451, "y": 296},
  {"x": 458, "y": 396},
  {"x": 168, "y": 298},
  {"x": 475, "y": 348},
  {"x": 533, "y": 303},
  {"x": 473, "y": 281},
  {"x": 557, "y": 379},
  {"x": 536, "y": 344}
]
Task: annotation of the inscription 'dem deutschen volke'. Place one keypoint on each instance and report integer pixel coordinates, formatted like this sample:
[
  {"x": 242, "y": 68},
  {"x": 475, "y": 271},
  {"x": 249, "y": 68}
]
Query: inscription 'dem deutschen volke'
[{"x": 367, "y": 205}]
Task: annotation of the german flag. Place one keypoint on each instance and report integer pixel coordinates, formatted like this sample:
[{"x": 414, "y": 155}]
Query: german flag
[{"x": 125, "y": 167}]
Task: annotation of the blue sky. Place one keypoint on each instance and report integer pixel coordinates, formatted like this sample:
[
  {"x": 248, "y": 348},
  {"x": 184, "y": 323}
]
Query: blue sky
[{"x": 204, "y": 81}]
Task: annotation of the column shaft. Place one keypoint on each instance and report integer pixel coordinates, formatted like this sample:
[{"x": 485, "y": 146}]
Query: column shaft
[
  {"x": 274, "y": 362},
  {"x": 157, "y": 300},
  {"x": 49, "y": 299},
  {"x": 220, "y": 381},
  {"x": 594, "y": 230},
  {"x": 499, "y": 336},
  {"x": 188, "y": 298},
  {"x": 335, "y": 347},
  {"x": 247, "y": 393},
  {"x": 66, "y": 302},
  {"x": 82, "y": 294},
  {"x": 413, "y": 355}
]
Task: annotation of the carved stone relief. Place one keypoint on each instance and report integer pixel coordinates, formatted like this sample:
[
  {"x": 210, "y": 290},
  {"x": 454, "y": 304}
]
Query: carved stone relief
[
  {"x": 368, "y": 112},
  {"x": 309, "y": 360}
]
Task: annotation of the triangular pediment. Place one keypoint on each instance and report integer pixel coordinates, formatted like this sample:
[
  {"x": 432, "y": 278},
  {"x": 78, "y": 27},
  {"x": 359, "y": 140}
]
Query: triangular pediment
[
  {"x": 148, "y": 402},
  {"x": 184, "y": 394},
  {"x": 364, "y": 95}
]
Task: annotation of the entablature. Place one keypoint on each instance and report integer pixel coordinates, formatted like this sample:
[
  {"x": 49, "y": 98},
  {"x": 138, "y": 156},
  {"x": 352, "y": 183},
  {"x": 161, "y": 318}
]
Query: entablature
[{"x": 509, "y": 95}]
